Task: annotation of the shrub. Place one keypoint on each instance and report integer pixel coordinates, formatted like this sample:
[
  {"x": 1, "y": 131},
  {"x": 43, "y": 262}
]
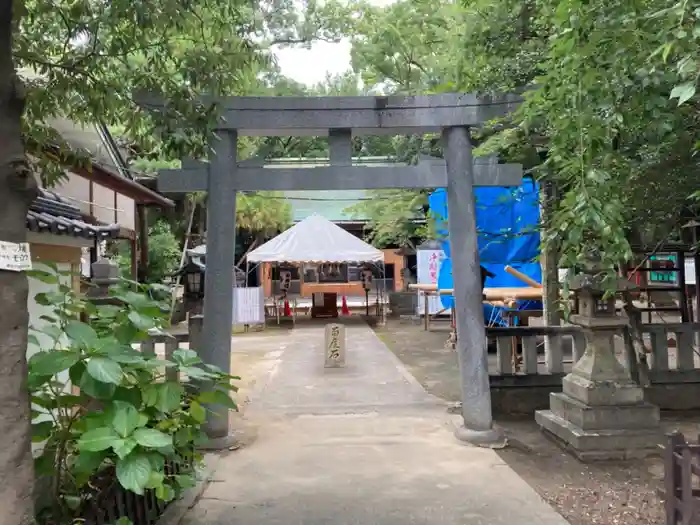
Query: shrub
[{"x": 127, "y": 421}]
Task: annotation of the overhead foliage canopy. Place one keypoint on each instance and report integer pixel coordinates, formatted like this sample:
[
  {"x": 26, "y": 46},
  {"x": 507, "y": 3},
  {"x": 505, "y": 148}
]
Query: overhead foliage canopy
[
  {"x": 88, "y": 60},
  {"x": 610, "y": 102},
  {"x": 600, "y": 76}
]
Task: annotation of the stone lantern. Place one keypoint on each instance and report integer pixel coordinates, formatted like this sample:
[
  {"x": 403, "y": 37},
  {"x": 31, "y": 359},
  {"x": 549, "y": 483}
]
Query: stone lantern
[
  {"x": 105, "y": 274},
  {"x": 601, "y": 412}
]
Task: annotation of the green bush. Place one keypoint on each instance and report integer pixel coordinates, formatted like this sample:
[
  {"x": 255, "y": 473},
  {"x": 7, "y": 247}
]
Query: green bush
[
  {"x": 127, "y": 421},
  {"x": 164, "y": 253}
]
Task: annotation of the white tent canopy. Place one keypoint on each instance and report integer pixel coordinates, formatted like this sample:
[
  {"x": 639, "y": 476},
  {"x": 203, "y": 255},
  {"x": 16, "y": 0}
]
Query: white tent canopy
[{"x": 316, "y": 239}]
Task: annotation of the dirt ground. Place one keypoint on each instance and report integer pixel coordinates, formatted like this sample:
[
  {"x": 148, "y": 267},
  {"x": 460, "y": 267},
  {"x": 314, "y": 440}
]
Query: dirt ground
[{"x": 613, "y": 493}]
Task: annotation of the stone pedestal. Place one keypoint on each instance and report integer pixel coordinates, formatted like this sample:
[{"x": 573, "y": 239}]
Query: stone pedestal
[
  {"x": 600, "y": 413},
  {"x": 105, "y": 274},
  {"x": 334, "y": 347}
]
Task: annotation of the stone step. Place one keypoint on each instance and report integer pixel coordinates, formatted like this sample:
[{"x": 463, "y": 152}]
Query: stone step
[
  {"x": 619, "y": 417},
  {"x": 594, "y": 445}
]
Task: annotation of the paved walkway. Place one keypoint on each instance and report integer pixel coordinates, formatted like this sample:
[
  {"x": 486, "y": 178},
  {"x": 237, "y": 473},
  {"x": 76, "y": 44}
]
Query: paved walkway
[
  {"x": 373, "y": 378},
  {"x": 364, "y": 445}
]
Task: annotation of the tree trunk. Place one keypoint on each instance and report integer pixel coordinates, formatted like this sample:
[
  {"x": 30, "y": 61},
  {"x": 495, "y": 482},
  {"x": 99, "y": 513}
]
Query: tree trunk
[
  {"x": 635, "y": 349},
  {"x": 17, "y": 190}
]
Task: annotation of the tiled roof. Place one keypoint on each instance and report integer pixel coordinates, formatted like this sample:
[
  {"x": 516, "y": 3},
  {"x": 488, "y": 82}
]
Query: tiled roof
[{"x": 51, "y": 213}]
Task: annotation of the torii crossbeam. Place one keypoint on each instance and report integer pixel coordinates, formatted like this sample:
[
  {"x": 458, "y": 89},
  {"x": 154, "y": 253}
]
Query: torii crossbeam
[{"x": 340, "y": 118}]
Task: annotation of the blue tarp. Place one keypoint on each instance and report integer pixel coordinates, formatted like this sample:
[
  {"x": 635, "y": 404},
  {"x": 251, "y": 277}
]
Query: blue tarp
[{"x": 507, "y": 225}]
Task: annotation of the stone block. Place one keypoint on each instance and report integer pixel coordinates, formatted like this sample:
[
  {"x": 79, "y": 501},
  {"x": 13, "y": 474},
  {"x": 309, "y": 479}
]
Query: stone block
[
  {"x": 602, "y": 393},
  {"x": 589, "y": 418},
  {"x": 334, "y": 345},
  {"x": 597, "y": 445},
  {"x": 403, "y": 303}
]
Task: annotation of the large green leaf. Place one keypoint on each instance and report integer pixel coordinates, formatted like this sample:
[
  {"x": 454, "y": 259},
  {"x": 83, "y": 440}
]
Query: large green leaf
[
  {"x": 88, "y": 462},
  {"x": 134, "y": 472},
  {"x": 683, "y": 92},
  {"x": 82, "y": 333},
  {"x": 194, "y": 372},
  {"x": 41, "y": 431},
  {"x": 124, "y": 447},
  {"x": 98, "y": 439},
  {"x": 197, "y": 412},
  {"x": 95, "y": 388},
  {"x": 217, "y": 397},
  {"x": 117, "y": 351},
  {"x": 150, "y": 395},
  {"x": 41, "y": 275},
  {"x": 140, "y": 321},
  {"x": 53, "y": 331},
  {"x": 52, "y": 362},
  {"x": 186, "y": 357},
  {"x": 165, "y": 492},
  {"x": 105, "y": 370},
  {"x": 156, "y": 480},
  {"x": 169, "y": 396},
  {"x": 127, "y": 356},
  {"x": 130, "y": 395},
  {"x": 126, "y": 418},
  {"x": 152, "y": 438}
]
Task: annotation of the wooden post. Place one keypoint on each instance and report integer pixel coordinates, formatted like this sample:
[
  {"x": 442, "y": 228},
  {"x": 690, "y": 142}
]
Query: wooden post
[
  {"x": 671, "y": 476},
  {"x": 426, "y": 311},
  {"x": 142, "y": 225}
]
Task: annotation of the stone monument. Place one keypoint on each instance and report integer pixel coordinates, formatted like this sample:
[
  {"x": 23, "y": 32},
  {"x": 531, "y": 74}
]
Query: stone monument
[
  {"x": 601, "y": 413},
  {"x": 334, "y": 346},
  {"x": 105, "y": 274}
]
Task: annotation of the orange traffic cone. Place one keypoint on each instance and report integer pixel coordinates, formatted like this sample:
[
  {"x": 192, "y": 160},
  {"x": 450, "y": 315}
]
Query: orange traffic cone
[
  {"x": 345, "y": 310},
  {"x": 287, "y": 309}
]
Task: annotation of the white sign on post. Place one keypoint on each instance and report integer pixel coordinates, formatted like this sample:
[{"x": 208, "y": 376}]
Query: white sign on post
[
  {"x": 15, "y": 257},
  {"x": 335, "y": 345},
  {"x": 428, "y": 268}
]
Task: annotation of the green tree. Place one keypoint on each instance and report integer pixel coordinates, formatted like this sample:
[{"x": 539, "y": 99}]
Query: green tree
[
  {"x": 164, "y": 253},
  {"x": 261, "y": 215},
  {"x": 402, "y": 48},
  {"x": 600, "y": 108},
  {"x": 83, "y": 61}
]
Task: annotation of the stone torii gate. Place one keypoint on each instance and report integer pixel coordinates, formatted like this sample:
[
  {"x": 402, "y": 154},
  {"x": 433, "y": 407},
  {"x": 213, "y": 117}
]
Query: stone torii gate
[{"x": 340, "y": 118}]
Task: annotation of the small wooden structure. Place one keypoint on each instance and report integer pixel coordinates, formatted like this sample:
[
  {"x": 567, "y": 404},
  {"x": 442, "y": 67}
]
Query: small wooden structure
[{"x": 681, "y": 478}]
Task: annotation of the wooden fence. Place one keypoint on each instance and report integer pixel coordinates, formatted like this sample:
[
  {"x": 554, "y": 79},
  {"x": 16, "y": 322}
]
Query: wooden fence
[
  {"x": 109, "y": 502},
  {"x": 682, "y": 481}
]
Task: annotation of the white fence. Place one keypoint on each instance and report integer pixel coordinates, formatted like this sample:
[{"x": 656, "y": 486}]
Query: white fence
[{"x": 248, "y": 306}]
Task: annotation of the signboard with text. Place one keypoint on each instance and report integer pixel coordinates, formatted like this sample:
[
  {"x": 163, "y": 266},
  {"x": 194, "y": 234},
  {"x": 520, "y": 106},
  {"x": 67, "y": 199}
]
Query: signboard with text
[
  {"x": 334, "y": 345},
  {"x": 428, "y": 267},
  {"x": 15, "y": 257}
]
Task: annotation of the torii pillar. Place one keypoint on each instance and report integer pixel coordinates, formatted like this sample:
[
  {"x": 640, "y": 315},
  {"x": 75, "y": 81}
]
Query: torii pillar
[{"x": 340, "y": 118}]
